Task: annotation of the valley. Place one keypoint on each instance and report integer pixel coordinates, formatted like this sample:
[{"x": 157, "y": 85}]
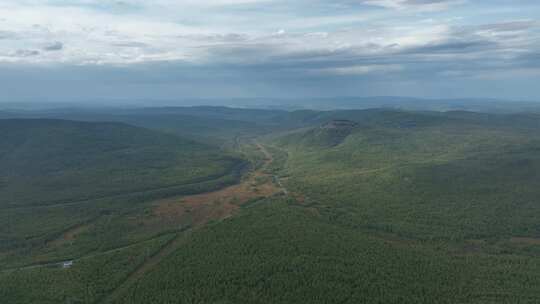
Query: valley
[
  {"x": 203, "y": 208},
  {"x": 269, "y": 152},
  {"x": 319, "y": 207}
]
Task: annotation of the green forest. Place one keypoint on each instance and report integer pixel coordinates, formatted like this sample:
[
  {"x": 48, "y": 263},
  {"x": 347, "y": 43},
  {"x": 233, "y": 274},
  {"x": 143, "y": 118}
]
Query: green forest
[{"x": 269, "y": 206}]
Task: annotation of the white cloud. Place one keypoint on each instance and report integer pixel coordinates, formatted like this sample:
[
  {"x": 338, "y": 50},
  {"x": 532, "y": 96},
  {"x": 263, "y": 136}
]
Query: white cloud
[
  {"x": 240, "y": 32},
  {"x": 421, "y": 5},
  {"x": 361, "y": 69}
]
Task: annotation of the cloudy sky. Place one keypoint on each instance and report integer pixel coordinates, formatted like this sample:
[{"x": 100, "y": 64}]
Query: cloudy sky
[{"x": 62, "y": 50}]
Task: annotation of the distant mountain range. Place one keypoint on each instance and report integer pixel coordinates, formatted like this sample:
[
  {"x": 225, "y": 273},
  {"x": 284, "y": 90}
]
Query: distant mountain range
[{"x": 327, "y": 103}]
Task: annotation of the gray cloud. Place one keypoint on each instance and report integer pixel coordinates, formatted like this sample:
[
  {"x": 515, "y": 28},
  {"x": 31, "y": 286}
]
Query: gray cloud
[
  {"x": 458, "y": 46},
  {"x": 304, "y": 47},
  {"x": 416, "y": 4},
  {"x": 510, "y": 26},
  {"x": 7, "y": 35},
  {"x": 454, "y": 47},
  {"x": 55, "y": 46},
  {"x": 130, "y": 44},
  {"x": 25, "y": 53}
]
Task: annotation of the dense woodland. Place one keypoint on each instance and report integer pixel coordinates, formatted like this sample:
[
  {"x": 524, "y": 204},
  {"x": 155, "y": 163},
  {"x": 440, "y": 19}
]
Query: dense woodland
[{"x": 377, "y": 206}]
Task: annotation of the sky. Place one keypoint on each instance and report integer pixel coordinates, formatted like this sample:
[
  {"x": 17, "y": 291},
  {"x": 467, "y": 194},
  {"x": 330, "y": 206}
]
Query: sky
[{"x": 67, "y": 50}]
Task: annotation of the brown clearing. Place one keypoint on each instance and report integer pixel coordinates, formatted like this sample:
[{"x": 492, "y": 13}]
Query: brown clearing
[
  {"x": 70, "y": 235},
  {"x": 197, "y": 210},
  {"x": 525, "y": 240},
  {"x": 200, "y": 208}
]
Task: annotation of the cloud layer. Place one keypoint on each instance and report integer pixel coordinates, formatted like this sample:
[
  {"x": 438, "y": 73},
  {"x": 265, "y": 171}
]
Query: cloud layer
[{"x": 405, "y": 47}]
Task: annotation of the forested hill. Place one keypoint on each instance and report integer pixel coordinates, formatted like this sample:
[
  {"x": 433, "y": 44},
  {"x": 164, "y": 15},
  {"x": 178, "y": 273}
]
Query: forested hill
[{"x": 82, "y": 160}]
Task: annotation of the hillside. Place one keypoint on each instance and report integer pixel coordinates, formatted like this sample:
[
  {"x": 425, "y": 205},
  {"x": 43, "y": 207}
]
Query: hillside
[
  {"x": 79, "y": 189},
  {"x": 460, "y": 182},
  {"x": 382, "y": 206},
  {"x": 67, "y": 161},
  {"x": 348, "y": 206},
  {"x": 421, "y": 166}
]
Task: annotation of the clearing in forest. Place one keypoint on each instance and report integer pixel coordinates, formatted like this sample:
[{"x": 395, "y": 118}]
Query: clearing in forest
[{"x": 200, "y": 208}]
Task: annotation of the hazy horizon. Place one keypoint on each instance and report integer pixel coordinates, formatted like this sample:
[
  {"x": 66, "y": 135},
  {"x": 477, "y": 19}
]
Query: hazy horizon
[{"x": 481, "y": 105}]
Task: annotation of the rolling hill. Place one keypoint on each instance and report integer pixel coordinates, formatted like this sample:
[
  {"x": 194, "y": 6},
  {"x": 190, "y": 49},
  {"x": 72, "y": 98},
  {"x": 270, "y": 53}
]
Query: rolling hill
[
  {"x": 72, "y": 189},
  {"x": 65, "y": 161},
  {"x": 372, "y": 206}
]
